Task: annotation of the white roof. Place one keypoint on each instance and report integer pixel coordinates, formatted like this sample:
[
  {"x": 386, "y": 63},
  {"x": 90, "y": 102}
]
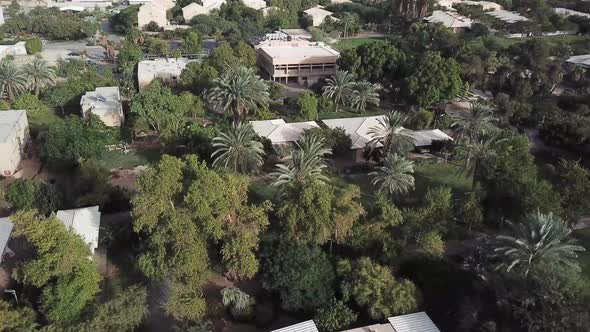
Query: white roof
[
  {"x": 318, "y": 11},
  {"x": 162, "y": 66},
  {"x": 449, "y": 19},
  {"x": 356, "y": 128},
  {"x": 102, "y": 100},
  {"x": 416, "y": 322},
  {"x": 84, "y": 222},
  {"x": 569, "y": 12},
  {"x": 486, "y": 5},
  {"x": 255, "y": 4},
  {"x": 8, "y": 122},
  {"x": 580, "y": 59},
  {"x": 279, "y": 132},
  {"x": 6, "y": 226},
  {"x": 307, "y": 326},
  {"x": 299, "y": 53},
  {"x": 507, "y": 16},
  {"x": 426, "y": 137}
]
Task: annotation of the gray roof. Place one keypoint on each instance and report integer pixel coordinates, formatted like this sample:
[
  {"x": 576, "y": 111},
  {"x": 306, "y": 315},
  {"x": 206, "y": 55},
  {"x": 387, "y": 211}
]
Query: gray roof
[
  {"x": 307, "y": 326},
  {"x": 84, "y": 222},
  {"x": 416, "y": 322},
  {"x": 5, "y": 229}
]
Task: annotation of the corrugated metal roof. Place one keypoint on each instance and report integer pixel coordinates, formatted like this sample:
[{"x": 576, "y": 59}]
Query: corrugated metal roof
[
  {"x": 416, "y": 322},
  {"x": 427, "y": 137},
  {"x": 307, "y": 326},
  {"x": 5, "y": 230},
  {"x": 278, "y": 131},
  {"x": 84, "y": 222}
]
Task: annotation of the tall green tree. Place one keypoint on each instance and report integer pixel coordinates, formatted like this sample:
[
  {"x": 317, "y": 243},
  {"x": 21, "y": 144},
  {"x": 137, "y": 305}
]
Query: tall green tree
[
  {"x": 13, "y": 81},
  {"x": 541, "y": 240},
  {"x": 395, "y": 177},
  {"x": 239, "y": 91},
  {"x": 473, "y": 154},
  {"x": 575, "y": 189},
  {"x": 338, "y": 87},
  {"x": 16, "y": 319},
  {"x": 123, "y": 313},
  {"x": 390, "y": 134},
  {"x": 191, "y": 43},
  {"x": 238, "y": 150},
  {"x": 479, "y": 121},
  {"x": 363, "y": 95},
  {"x": 39, "y": 75}
]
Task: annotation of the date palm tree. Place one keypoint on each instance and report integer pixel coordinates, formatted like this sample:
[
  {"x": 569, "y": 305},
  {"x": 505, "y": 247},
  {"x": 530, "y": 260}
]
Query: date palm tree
[
  {"x": 395, "y": 177},
  {"x": 477, "y": 122},
  {"x": 338, "y": 87},
  {"x": 390, "y": 134},
  {"x": 13, "y": 81},
  {"x": 39, "y": 75},
  {"x": 306, "y": 163},
  {"x": 363, "y": 94},
  {"x": 238, "y": 149},
  {"x": 239, "y": 91},
  {"x": 473, "y": 153},
  {"x": 541, "y": 239}
]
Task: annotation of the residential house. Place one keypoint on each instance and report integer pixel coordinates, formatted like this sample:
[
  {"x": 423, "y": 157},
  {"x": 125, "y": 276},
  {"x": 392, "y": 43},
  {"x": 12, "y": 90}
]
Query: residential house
[
  {"x": 255, "y": 4},
  {"x": 154, "y": 11},
  {"x": 6, "y": 227},
  {"x": 579, "y": 60},
  {"x": 507, "y": 16},
  {"x": 168, "y": 70},
  {"x": 297, "y": 61},
  {"x": 307, "y": 326},
  {"x": 84, "y": 222},
  {"x": 451, "y": 20},
  {"x": 104, "y": 102},
  {"x": 280, "y": 132},
  {"x": 14, "y": 135},
  {"x": 416, "y": 322},
  {"x": 194, "y": 9},
  {"x": 359, "y": 131},
  {"x": 318, "y": 14}
]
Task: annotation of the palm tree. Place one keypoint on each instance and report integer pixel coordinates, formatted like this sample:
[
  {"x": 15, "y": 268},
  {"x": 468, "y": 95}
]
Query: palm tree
[
  {"x": 39, "y": 74},
  {"x": 238, "y": 149},
  {"x": 364, "y": 93},
  {"x": 239, "y": 90},
  {"x": 13, "y": 81},
  {"x": 395, "y": 176},
  {"x": 473, "y": 153},
  {"x": 305, "y": 164},
  {"x": 541, "y": 239},
  {"x": 391, "y": 135},
  {"x": 348, "y": 20},
  {"x": 338, "y": 87},
  {"x": 479, "y": 121}
]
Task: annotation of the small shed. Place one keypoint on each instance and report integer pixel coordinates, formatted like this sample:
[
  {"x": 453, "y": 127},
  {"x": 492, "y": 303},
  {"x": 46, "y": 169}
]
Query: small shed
[{"x": 84, "y": 222}]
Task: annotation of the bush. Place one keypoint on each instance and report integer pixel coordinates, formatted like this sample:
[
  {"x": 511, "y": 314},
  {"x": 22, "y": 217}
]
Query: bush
[
  {"x": 33, "y": 45},
  {"x": 240, "y": 304},
  {"x": 276, "y": 91},
  {"x": 336, "y": 139},
  {"x": 308, "y": 105},
  {"x": 27, "y": 194},
  {"x": 421, "y": 119},
  {"x": 431, "y": 244},
  {"x": 335, "y": 317}
]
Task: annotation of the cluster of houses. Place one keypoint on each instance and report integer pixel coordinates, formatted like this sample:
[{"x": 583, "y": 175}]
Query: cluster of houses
[{"x": 415, "y": 322}]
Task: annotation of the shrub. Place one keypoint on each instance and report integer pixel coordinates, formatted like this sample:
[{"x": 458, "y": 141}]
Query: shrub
[
  {"x": 308, "y": 105},
  {"x": 33, "y": 45},
  {"x": 335, "y": 317}
]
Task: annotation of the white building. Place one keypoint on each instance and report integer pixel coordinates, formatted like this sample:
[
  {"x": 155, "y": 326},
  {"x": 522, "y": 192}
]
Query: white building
[
  {"x": 359, "y": 129},
  {"x": 194, "y": 9},
  {"x": 280, "y": 132},
  {"x": 80, "y": 5},
  {"x": 168, "y": 70},
  {"x": 14, "y": 50},
  {"x": 104, "y": 102},
  {"x": 507, "y": 16},
  {"x": 451, "y": 20},
  {"x": 6, "y": 227},
  {"x": 569, "y": 12},
  {"x": 255, "y": 4},
  {"x": 581, "y": 60},
  {"x": 14, "y": 134},
  {"x": 154, "y": 11},
  {"x": 84, "y": 222},
  {"x": 307, "y": 326},
  {"x": 318, "y": 14}
]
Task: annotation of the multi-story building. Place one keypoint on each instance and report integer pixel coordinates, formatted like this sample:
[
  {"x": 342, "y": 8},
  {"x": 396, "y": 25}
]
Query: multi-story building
[{"x": 296, "y": 61}]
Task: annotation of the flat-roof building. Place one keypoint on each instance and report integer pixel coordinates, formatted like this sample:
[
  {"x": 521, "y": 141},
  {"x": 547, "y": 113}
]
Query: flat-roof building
[
  {"x": 195, "y": 9},
  {"x": 104, "y": 102},
  {"x": 84, "y": 222},
  {"x": 318, "y": 14},
  {"x": 297, "y": 61},
  {"x": 154, "y": 11},
  {"x": 168, "y": 70},
  {"x": 14, "y": 134},
  {"x": 255, "y": 4}
]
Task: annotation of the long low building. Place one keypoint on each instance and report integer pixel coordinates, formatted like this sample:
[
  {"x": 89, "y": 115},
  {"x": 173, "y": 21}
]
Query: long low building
[
  {"x": 14, "y": 134},
  {"x": 299, "y": 62},
  {"x": 280, "y": 132}
]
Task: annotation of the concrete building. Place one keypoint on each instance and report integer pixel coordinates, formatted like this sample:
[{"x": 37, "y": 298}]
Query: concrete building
[
  {"x": 154, "y": 11},
  {"x": 6, "y": 227},
  {"x": 318, "y": 15},
  {"x": 297, "y": 61},
  {"x": 80, "y": 5},
  {"x": 104, "y": 102},
  {"x": 507, "y": 16},
  {"x": 568, "y": 12},
  {"x": 168, "y": 70},
  {"x": 359, "y": 130},
  {"x": 14, "y": 50},
  {"x": 255, "y": 4},
  {"x": 280, "y": 132},
  {"x": 451, "y": 20},
  {"x": 84, "y": 222},
  {"x": 194, "y": 9},
  {"x": 14, "y": 135}
]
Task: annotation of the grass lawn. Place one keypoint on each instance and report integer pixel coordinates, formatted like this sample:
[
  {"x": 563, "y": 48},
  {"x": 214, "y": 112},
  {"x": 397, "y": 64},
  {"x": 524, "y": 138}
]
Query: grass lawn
[
  {"x": 577, "y": 42},
  {"x": 116, "y": 159},
  {"x": 355, "y": 42},
  {"x": 433, "y": 174},
  {"x": 583, "y": 237}
]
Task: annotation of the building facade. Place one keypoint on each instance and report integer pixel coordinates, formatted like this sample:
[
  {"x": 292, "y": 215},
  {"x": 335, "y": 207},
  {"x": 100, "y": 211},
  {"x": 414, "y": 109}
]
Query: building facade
[{"x": 14, "y": 135}]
